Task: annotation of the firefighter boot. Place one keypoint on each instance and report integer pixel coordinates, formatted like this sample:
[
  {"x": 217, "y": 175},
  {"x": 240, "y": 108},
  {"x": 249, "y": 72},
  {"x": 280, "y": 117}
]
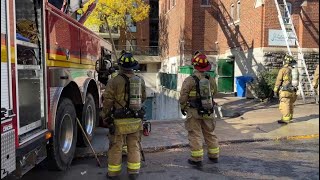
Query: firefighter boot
[
  {"x": 284, "y": 122},
  {"x": 133, "y": 176},
  {"x": 195, "y": 163},
  {"x": 113, "y": 177},
  {"x": 214, "y": 160}
]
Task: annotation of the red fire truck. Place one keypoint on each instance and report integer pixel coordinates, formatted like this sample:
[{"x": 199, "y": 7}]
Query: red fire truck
[{"x": 52, "y": 71}]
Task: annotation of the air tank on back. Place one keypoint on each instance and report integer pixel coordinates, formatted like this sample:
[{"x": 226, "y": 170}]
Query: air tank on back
[
  {"x": 135, "y": 102},
  {"x": 205, "y": 94}
]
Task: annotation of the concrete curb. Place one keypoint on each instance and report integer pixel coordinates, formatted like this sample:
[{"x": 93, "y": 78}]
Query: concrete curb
[{"x": 163, "y": 148}]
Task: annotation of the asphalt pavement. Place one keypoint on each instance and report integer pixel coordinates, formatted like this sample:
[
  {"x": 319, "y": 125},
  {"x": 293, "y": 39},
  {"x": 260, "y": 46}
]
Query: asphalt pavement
[
  {"x": 257, "y": 122},
  {"x": 283, "y": 159}
]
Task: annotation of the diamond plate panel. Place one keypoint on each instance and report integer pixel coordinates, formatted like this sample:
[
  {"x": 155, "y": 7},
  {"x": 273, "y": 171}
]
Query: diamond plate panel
[{"x": 8, "y": 153}]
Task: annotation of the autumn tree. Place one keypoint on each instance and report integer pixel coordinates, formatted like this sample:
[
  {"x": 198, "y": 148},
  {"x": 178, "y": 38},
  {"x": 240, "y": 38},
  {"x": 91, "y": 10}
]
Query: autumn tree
[{"x": 116, "y": 13}]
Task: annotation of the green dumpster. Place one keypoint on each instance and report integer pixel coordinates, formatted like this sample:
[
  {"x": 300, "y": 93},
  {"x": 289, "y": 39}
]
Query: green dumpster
[{"x": 185, "y": 69}]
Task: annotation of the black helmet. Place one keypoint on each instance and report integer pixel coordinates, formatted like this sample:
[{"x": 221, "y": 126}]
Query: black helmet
[
  {"x": 288, "y": 59},
  {"x": 127, "y": 62}
]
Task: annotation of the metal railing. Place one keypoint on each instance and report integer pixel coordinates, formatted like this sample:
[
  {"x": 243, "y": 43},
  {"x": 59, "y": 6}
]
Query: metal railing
[
  {"x": 206, "y": 52},
  {"x": 140, "y": 50}
]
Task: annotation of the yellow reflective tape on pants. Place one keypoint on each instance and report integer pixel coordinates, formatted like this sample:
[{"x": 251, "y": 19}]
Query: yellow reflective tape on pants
[
  {"x": 114, "y": 168},
  {"x": 133, "y": 166},
  {"x": 214, "y": 150},
  {"x": 197, "y": 153},
  {"x": 193, "y": 93}
]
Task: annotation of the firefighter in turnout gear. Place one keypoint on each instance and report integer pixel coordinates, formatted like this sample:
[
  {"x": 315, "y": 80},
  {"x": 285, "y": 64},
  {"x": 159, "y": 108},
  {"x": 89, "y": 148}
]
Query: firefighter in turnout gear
[
  {"x": 124, "y": 96},
  {"x": 286, "y": 87},
  {"x": 315, "y": 82},
  {"x": 197, "y": 104}
]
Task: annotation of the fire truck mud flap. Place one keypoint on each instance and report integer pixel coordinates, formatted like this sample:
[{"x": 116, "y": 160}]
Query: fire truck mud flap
[{"x": 63, "y": 144}]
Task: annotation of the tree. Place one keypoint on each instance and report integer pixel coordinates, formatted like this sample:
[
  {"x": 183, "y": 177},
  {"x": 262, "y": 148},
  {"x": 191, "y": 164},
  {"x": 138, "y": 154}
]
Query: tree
[{"x": 117, "y": 13}]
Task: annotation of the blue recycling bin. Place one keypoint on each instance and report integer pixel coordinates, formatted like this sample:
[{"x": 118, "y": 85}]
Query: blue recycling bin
[{"x": 241, "y": 85}]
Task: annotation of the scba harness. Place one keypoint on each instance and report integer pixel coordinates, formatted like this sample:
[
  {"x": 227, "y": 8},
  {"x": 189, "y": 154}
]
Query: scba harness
[
  {"x": 198, "y": 103},
  {"x": 127, "y": 111}
]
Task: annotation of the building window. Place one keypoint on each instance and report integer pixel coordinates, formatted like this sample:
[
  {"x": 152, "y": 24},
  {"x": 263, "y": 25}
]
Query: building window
[
  {"x": 205, "y": 2},
  {"x": 142, "y": 67},
  {"x": 238, "y": 11},
  {"x": 232, "y": 12},
  {"x": 132, "y": 26},
  {"x": 285, "y": 15}
]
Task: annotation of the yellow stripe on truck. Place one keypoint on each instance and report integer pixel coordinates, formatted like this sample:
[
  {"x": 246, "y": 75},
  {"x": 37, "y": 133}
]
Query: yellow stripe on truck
[
  {"x": 63, "y": 58},
  {"x": 59, "y": 62},
  {"x": 55, "y": 63},
  {"x": 4, "y": 56}
]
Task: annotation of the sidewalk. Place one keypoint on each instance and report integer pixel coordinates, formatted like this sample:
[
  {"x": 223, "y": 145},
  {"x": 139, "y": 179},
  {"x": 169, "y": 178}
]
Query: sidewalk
[{"x": 258, "y": 121}]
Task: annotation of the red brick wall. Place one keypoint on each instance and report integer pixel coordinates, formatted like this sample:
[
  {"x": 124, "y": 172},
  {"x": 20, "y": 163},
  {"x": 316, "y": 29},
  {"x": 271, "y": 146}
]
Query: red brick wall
[
  {"x": 309, "y": 25},
  {"x": 141, "y": 35},
  {"x": 171, "y": 26},
  {"x": 248, "y": 33},
  {"x": 186, "y": 21},
  {"x": 305, "y": 20},
  {"x": 204, "y": 29},
  {"x": 201, "y": 29}
]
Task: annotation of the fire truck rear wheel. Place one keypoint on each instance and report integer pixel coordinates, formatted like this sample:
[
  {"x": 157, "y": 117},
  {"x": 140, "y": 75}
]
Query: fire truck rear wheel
[
  {"x": 63, "y": 145},
  {"x": 89, "y": 118}
]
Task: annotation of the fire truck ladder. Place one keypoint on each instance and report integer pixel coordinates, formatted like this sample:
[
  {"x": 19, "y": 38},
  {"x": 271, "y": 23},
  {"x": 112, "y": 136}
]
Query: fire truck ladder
[{"x": 305, "y": 85}]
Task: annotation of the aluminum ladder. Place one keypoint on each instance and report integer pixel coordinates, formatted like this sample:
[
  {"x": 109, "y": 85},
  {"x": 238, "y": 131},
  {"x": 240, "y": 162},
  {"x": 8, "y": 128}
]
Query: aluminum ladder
[{"x": 305, "y": 84}]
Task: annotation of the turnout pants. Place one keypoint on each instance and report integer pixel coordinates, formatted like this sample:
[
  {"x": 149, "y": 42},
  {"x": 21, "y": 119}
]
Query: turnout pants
[
  {"x": 197, "y": 126},
  {"x": 287, "y": 100},
  {"x": 115, "y": 153}
]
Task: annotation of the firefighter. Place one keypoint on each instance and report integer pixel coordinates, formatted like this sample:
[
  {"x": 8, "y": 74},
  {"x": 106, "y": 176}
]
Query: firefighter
[
  {"x": 196, "y": 103},
  {"x": 286, "y": 87},
  {"x": 124, "y": 95},
  {"x": 315, "y": 82}
]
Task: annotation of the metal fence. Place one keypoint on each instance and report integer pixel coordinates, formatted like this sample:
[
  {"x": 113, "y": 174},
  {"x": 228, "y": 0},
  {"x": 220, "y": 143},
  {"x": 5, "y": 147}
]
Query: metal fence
[
  {"x": 169, "y": 81},
  {"x": 140, "y": 50}
]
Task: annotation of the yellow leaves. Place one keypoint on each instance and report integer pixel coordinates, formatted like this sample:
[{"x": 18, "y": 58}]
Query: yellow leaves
[
  {"x": 85, "y": 7},
  {"x": 117, "y": 12}
]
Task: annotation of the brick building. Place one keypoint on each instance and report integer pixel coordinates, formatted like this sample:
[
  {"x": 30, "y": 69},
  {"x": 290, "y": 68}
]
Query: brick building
[
  {"x": 142, "y": 41},
  {"x": 246, "y": 31},
  {"x": 185, "y": 26},
  {"x": 243, "y": 33},
  {"x": 249, "y": 31}
]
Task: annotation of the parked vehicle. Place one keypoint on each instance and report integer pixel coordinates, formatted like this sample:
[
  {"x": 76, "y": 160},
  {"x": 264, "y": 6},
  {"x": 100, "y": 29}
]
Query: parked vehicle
[{"x": 52, "y": 71}]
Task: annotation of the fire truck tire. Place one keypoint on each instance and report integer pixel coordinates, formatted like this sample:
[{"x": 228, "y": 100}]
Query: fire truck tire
[
  {"x": 63, "y": 144},
  {"x": 88, "y": 121}
]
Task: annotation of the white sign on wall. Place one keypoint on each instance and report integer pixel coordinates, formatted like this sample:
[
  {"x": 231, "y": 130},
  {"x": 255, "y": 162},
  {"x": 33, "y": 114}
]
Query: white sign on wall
[{"x": 276, "y": 38}]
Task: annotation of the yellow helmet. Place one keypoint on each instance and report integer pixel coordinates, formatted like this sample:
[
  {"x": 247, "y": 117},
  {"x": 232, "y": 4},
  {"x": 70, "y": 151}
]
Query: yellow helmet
[{"x": 288, "y": 59}]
